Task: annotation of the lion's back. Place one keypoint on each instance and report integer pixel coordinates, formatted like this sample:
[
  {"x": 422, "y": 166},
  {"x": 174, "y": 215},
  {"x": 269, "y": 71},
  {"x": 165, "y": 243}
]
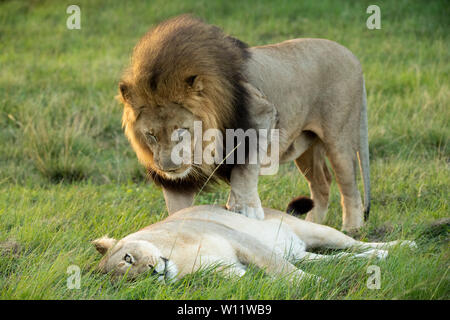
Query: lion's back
[{"x": 300, "y": 62}]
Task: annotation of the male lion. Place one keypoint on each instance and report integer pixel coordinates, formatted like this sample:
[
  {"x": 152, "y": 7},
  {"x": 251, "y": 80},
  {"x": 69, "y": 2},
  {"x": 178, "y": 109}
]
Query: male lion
[
  {"x": 311, "y": 90},
  {"x": 209, "y": 236}
]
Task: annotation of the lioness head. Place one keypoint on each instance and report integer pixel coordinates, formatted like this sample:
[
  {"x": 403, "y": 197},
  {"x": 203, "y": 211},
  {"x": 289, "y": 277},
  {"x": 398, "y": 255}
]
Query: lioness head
[
  {"x": 182, "y": 71},
  {"x": 132, "y": 258}
]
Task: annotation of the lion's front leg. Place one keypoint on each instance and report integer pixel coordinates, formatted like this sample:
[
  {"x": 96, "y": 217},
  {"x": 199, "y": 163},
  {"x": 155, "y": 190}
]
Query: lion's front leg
[
  {"x": 176, "y": 200},
  {"x": 244, "y": 198}
]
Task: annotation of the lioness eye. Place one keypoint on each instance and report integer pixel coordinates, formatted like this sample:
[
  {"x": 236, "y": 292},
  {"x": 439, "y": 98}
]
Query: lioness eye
[
  {"x": 128, "y": 258},
  {"x": 154, "y": 272}
]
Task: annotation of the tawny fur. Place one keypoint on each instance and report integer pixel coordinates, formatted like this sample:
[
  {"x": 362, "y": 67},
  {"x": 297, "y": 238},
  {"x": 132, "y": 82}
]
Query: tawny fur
[
  {"x": 312, "y": 90},
  {"x": 209, "y": 236}
]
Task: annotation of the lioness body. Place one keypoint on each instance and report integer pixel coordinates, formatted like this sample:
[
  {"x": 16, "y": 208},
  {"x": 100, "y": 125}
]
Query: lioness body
[
  {"x": 312, "y": 90},
  {"x": 205, "y": 236}
]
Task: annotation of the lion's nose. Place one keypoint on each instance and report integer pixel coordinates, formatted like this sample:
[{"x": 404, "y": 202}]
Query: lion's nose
[{"x": 168, "y": 165}]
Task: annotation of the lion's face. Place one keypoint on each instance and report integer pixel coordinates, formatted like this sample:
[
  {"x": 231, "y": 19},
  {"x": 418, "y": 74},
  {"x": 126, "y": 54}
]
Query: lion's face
[
  {"x": 132, "y": 258},
  {"x": 162, "y": 128}
]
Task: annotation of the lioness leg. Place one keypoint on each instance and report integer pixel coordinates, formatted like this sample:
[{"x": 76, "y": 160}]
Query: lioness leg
[
  {"x": 253, "y": 252},
  {"x": 229, "y": 268},
  {"x": 320, "y": 236},
  {"x": 312, "y": 165},
  {"x": 377, "y": 253},
  {"x": 235, "y": 271}
]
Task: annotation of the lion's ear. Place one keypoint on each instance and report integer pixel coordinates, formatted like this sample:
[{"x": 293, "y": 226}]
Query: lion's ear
[
  {"x": 124, "y": 91},
  {"x": 103, "y": 244},
  {"x": 195, "y": 83}
]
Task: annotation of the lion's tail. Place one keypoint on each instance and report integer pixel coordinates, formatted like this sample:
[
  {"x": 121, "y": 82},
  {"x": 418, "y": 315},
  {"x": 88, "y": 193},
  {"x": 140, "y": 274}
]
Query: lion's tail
[
  {"x": 300, "y": 205},
  {"x": 363, "y": 153}
]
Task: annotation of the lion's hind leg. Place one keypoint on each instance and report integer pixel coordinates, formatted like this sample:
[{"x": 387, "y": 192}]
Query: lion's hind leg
[
  {"x": 313, "y": 166},
  {"x": 344, "y": 162}
]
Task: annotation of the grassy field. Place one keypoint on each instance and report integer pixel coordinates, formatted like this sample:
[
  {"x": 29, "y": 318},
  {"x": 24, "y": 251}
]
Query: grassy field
[{"x": 68, "y": 175}]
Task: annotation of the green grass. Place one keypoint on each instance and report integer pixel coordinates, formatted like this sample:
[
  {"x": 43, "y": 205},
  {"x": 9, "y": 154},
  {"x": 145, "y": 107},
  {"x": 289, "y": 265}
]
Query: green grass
[{"x": 68, "y": 175}]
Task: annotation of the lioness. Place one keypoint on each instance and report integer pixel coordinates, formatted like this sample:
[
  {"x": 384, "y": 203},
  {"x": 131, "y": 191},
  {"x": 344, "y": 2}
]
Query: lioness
[
  {"x": 203, "y": 236},
  {"x": 311, "y": 90}
]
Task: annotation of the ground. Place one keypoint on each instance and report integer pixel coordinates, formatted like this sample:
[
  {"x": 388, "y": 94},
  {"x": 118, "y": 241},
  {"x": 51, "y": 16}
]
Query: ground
[{"x": 68, "y": 175}]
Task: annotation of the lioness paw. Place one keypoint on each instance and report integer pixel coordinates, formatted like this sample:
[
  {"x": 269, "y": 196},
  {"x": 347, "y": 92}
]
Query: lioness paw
[
  {"x": 408, "y": 243},
  {"x": 402, "y": 243},
  {"x": 376, "y": 253},
  {"x": 249, "y": 212}
]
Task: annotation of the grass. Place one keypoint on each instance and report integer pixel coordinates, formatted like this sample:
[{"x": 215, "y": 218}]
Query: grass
[{"x": 68, "y": 175}]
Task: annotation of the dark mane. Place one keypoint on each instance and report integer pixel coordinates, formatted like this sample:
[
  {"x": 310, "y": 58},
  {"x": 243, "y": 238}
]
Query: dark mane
[{"x": 176, "y": 50}]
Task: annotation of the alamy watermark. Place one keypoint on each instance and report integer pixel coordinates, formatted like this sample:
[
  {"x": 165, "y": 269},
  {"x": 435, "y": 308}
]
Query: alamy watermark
[
  {"x": 74, "y": 20},
  {"x": 74, "y": 278},
  {"x": 374, "y": 280},
  {"x": 208, "y": 147},
  {"x": 374, "y": 20}
]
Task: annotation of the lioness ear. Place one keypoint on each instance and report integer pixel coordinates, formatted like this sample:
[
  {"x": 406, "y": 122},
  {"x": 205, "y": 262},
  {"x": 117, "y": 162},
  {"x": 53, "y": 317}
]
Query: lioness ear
[
  {"x": 124, "y": 91},
  {"x": 194, "y": 82},
  {"x": 103, "y": 244}
]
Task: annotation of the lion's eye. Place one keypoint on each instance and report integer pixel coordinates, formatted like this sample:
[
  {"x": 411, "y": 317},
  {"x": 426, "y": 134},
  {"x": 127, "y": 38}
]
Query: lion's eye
[
  {"x": 128, "y": 258},
  {"x": 181, "y": 132},
  {"x": 150, "y": 137}
]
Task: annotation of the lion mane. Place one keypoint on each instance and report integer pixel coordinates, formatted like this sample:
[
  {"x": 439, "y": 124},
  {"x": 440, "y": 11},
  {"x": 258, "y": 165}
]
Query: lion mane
[{"x": 172, "y": 54}]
